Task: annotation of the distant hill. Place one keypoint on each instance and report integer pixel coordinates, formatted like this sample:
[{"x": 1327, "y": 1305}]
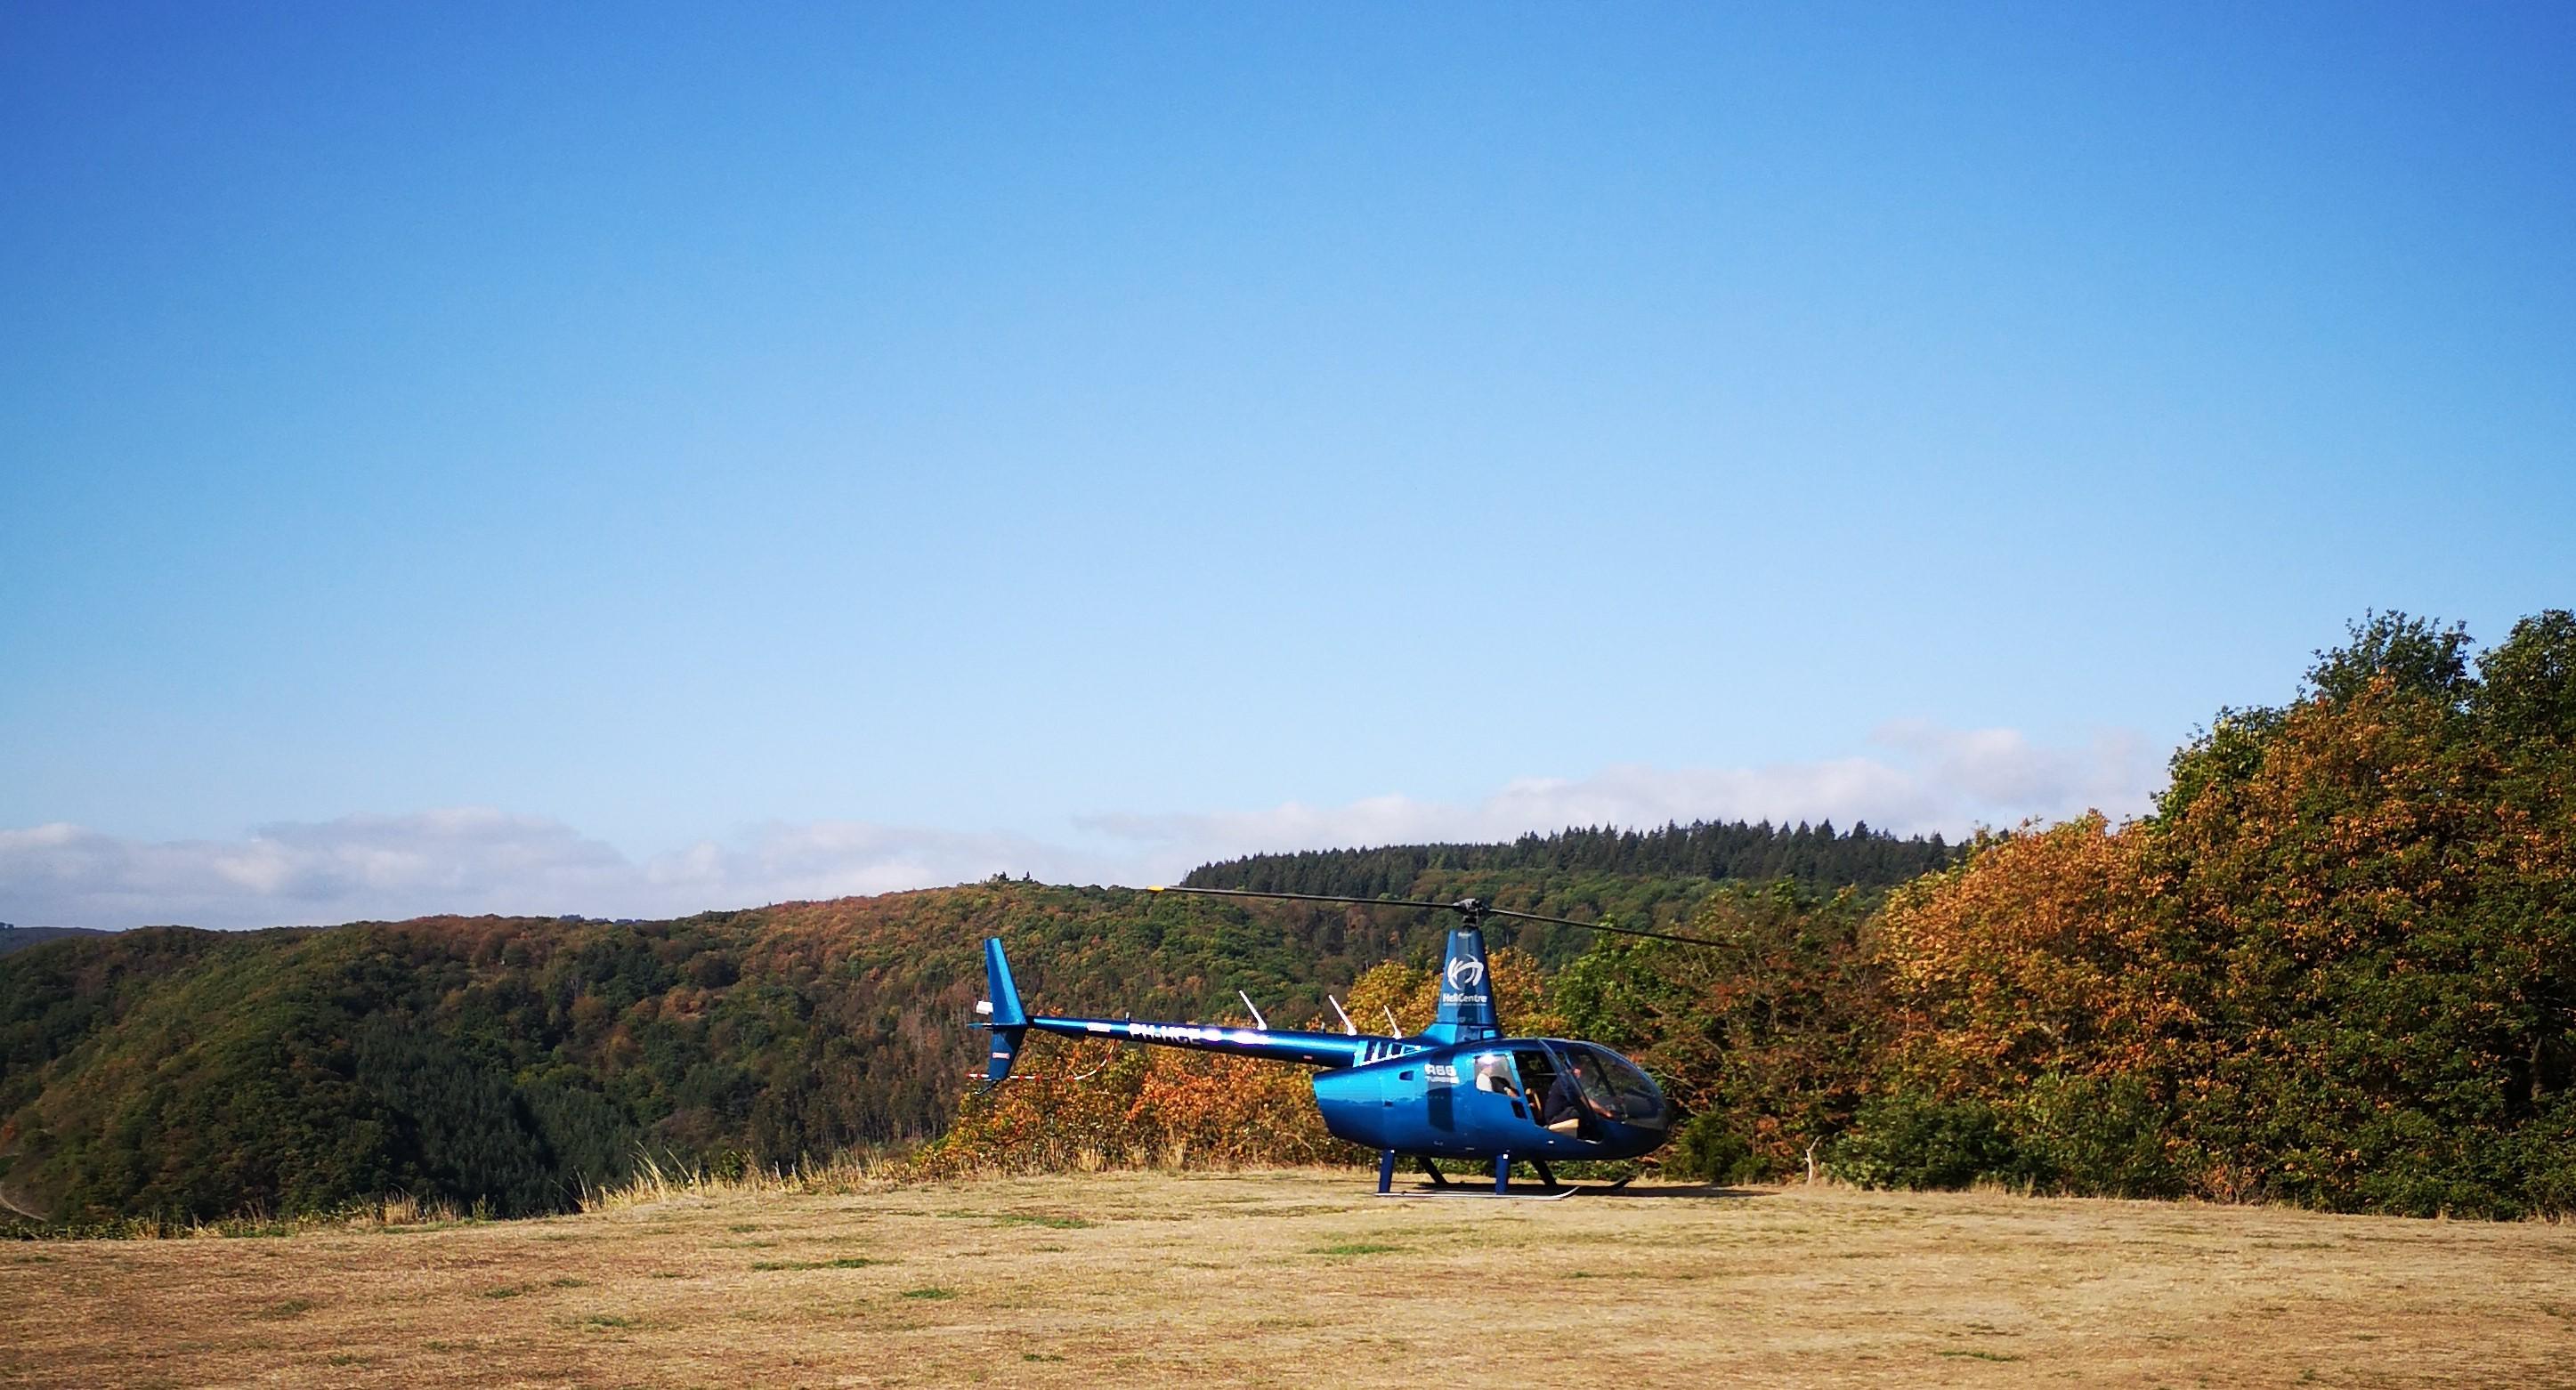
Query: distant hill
[
  {"x": 20, "y": 938},
  {"x": 1816, "y": 856}
]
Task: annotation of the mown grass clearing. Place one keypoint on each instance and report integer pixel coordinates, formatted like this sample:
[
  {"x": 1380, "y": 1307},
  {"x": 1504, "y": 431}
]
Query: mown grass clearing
[{"x": 1303, "y": 1277}]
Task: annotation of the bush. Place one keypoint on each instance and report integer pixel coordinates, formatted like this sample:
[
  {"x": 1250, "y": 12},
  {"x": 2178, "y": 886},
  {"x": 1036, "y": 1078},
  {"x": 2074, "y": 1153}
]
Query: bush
[
  {"x": 2092, "y": 1137},
  {"x": 1709, "y": 1150},
  {"x": 1913, "y": 1140},
  {"x": 2548, "y": 1160}
]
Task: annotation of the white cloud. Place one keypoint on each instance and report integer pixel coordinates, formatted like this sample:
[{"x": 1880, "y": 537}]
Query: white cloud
[
  {"x": 1923, "y": 778},
  {"x": 467, "y": 860}
]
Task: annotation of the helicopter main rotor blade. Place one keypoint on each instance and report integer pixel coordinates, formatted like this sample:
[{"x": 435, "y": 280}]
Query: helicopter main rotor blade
[
  {"x": 1302, "y": 897},
  {"x": 1471, "y": 908},
  {"x": 1604, "y": 926}
]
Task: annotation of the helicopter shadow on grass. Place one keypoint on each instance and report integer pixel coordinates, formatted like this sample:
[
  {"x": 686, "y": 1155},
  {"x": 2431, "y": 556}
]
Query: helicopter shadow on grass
[{"x": 1666, "y": 1192}]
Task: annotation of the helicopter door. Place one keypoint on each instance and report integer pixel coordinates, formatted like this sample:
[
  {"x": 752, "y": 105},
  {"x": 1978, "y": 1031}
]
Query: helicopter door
[{"x": 1554, "y": 1099}]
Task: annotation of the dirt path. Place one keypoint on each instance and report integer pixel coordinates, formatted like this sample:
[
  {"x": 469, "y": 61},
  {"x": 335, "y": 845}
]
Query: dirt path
[
  {"x": 12, "y": 1204},
  {"x": 1302, "y": 1278}
]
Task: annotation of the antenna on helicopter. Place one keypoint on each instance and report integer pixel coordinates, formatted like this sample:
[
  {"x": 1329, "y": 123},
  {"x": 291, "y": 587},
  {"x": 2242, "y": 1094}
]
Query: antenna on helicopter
[
  {"x": 1475, "y": 910},
  {"x": 1257, "y": 1020},
  {"x": 1348, "y": 1027}
]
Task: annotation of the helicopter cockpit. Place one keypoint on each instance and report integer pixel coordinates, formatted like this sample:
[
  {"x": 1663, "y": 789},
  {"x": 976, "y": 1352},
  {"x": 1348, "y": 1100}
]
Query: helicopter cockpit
[{"x": 1573, "y": 1088}]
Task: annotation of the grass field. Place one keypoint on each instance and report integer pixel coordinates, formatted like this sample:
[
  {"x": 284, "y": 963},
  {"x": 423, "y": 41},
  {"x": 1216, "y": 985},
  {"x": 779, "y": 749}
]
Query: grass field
[{"x": 1303, "y": 1278}]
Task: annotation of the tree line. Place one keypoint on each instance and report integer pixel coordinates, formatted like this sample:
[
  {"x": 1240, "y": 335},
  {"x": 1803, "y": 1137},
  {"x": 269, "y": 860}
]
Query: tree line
[{"x": 1812, "y": 855}]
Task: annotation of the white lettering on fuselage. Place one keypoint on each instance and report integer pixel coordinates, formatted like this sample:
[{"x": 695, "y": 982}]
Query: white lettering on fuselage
[{"x": 1190, "y": 1032}]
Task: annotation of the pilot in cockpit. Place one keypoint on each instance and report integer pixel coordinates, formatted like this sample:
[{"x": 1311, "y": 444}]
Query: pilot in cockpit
[{"x": 1562, "y": 1110}]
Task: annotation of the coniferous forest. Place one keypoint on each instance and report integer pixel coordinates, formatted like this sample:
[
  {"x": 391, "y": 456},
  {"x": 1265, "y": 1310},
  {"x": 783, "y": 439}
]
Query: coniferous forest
[{"x": 2335, "y": 965}]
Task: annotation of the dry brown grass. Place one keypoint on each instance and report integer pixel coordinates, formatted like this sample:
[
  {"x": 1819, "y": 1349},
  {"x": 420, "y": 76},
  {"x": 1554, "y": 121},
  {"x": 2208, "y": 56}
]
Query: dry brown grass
[{"x": 1303, "y": 1278}]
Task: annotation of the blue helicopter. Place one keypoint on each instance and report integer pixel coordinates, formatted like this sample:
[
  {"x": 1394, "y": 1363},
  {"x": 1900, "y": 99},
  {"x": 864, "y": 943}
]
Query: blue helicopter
[{"x": 1459, "y": 1089}]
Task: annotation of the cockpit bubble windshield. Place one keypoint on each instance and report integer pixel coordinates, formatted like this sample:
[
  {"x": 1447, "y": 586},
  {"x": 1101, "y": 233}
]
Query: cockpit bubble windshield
[{"x": 1613, "y": 1087}]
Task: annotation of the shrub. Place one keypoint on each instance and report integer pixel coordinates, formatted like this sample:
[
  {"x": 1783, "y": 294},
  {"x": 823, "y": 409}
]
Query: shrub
[
  {"x": 1915, "y": 1140},
  {"x": 1708, "y": 1149},
  {"x": 2090, "y": 1136}
]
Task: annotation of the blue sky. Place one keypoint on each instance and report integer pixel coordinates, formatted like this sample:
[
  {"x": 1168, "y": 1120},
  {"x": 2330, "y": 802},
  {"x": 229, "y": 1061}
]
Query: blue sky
[{"x": 640, "y": 458}]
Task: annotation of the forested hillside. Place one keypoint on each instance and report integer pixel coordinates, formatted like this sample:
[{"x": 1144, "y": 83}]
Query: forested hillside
[{"x": 510, "y": 1060}]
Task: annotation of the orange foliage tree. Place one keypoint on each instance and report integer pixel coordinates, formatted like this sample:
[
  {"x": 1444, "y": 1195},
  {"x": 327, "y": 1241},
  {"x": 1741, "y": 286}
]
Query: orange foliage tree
[
  {"x": 2337, "y": 966},
  {"x": 2040, "y": 954}
]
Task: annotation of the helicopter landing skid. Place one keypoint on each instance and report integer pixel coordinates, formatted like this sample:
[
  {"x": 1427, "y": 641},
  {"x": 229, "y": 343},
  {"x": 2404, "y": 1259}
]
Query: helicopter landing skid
[{"x": 1484, "y": 1194}]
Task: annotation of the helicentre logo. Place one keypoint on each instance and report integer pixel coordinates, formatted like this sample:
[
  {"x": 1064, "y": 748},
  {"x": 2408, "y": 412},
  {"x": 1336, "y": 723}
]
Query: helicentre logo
[{"x": 1466, "y": 972}]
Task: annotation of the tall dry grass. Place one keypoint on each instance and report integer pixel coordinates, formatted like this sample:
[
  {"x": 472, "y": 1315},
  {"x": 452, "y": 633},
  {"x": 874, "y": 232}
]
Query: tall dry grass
[{"x": 657, "y": 1179}]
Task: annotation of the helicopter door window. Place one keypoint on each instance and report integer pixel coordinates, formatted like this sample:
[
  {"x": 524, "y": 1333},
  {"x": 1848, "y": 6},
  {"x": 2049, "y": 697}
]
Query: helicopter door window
[{"x": 1555, "y": 1099}]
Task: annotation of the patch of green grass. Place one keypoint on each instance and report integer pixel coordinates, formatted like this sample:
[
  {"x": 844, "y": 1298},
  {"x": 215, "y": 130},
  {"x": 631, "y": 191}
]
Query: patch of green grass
[
  {"x": 934, "y": 1292},
  {"x": 349, "y": 1358},
  {"x": 291, "y": 1308},
  {"x": 1022, "y": 1218},
  {"x": 33, "y": 1260},
  {"x": 845, "y": 1262},
  {"x": 514, "y": 1290},
  {"x": 608, "y": 1320},
  {"x": 1039, "y": 1356},
  {"x": 418, "y": 1228},
  {"x": 1982, "y": 1355},
  {"x": 743, "y": 1227},
  {"x": 1356, "y": 1247}
]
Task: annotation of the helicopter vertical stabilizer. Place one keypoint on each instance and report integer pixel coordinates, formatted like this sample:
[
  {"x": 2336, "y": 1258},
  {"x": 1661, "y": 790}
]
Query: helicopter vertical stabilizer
[
  {"x": 1466, "y": 992},
  {"x": 1008, "y": 1021}
]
